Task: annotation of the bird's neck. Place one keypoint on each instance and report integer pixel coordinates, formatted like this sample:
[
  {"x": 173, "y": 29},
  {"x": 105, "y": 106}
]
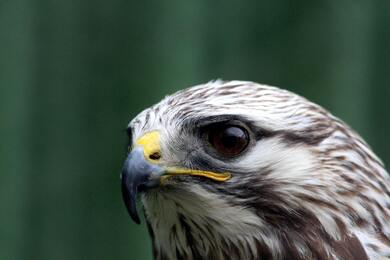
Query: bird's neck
[{"x": 180, "y": 228}]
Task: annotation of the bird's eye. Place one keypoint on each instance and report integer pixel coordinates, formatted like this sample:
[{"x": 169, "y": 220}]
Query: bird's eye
[{"x": 228, "y": 140}]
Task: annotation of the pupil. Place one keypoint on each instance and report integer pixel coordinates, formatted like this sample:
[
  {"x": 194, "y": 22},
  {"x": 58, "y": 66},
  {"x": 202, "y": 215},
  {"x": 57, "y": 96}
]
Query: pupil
[
  {"x": 233, "y": 140},
  {"x": 230, "y": 139}
]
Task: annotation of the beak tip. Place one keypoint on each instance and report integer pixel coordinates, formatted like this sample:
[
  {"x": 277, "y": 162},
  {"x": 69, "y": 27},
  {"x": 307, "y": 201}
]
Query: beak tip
[
  {"x": 135, "y": 218},
  {"x": 129, "y": 197},
  {"x": 132, "y": 210}
]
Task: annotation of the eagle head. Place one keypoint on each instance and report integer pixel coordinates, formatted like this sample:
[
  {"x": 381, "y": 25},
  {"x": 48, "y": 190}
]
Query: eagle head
[{"x": 239, "y": 170}]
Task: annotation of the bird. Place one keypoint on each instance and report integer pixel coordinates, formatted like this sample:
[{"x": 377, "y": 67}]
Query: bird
[{"x": 241, "y": 170}]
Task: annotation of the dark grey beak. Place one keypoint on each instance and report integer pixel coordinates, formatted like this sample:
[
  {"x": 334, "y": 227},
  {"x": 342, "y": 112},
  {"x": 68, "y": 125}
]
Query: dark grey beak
[{"x": 138, "y": 174}]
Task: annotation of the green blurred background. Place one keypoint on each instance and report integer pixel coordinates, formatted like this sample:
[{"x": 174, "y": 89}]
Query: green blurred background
[{"x": 73, "y": 73}]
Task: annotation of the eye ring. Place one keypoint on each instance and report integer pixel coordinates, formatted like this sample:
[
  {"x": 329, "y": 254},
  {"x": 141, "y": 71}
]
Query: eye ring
[{"x": 228, "y": 140}]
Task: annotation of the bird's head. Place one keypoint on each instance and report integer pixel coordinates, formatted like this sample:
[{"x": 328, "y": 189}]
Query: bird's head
[{"x": 235, "y": 158}]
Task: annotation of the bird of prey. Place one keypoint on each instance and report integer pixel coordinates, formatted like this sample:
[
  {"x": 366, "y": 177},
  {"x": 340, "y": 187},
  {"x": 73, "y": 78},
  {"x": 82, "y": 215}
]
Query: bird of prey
[{"x": 240, "y": 170}]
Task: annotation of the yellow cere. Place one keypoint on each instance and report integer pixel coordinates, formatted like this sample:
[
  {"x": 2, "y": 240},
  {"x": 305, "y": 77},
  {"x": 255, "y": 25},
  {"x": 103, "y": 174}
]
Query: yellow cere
[{"x": 150, "y": 142}]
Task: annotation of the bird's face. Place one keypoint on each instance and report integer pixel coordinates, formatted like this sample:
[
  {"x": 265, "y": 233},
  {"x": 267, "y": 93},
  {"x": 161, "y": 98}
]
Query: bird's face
[
  {"x": 239, "y": 146},
  {"x": 241, "y": 170}
]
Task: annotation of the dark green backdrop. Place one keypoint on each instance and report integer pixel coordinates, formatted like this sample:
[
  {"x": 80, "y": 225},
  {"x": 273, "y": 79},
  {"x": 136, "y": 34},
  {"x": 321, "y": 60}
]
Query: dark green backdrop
[{"x": 73, "y": 73}]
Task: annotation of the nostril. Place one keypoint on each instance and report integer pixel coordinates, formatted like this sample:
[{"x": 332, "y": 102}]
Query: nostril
[{"x": 155, "y": 156}]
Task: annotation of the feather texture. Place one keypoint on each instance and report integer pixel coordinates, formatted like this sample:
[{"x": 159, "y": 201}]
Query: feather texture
[{"x": 308, "y": 187}]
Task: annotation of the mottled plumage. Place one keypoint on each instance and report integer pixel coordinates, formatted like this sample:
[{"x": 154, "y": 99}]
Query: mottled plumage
[{"x": 306, "y": 186}]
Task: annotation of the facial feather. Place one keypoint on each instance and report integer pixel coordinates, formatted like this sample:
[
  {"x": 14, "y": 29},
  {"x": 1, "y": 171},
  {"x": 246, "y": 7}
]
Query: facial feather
[{"x": 310, "y": 187}]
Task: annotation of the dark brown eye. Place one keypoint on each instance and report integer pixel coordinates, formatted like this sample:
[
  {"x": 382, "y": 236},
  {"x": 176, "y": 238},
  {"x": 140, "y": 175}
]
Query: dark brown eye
[{"x": 229, "y": 140}]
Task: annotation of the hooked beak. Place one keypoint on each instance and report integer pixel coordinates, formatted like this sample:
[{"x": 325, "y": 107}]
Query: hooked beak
[
  {"x": 137, "y": 174},
  {"x": 141, "y": 172}
]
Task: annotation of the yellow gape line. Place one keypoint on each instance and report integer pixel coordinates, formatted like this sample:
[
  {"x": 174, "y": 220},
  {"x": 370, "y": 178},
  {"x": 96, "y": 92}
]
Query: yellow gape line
[
  {"x": 150, "y": 142},
  {"x": 172, "y": 171}
]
